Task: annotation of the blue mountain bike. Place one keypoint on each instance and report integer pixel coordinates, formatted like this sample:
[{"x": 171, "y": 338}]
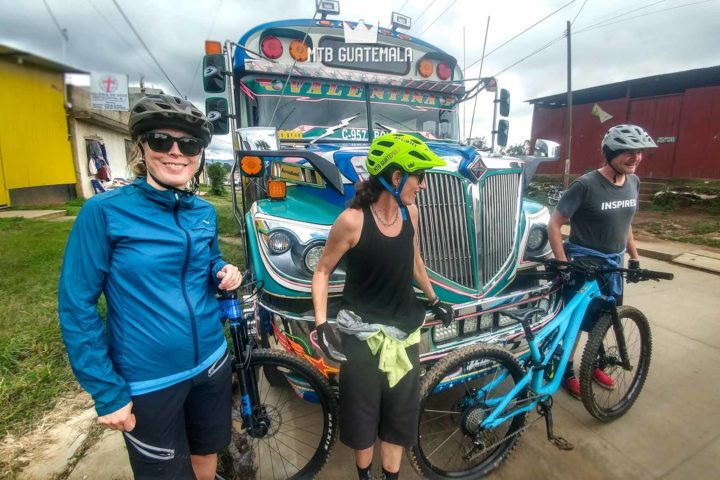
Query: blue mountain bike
[{"x": 469, "y": 425}]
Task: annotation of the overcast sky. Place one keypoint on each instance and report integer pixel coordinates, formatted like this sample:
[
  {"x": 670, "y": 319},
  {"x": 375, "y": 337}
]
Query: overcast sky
[{"x": 638, "y": 38}]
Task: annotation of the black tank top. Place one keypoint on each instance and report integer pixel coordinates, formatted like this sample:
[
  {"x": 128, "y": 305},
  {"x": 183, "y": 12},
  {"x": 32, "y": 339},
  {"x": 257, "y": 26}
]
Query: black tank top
[{"x": 379, "y": 277}]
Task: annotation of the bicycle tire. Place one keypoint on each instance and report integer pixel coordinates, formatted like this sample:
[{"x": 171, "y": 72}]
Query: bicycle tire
[
  {"x": 464, "y": 414},
  {"x": 604, "y": 404},
  {"x": 296, "y": 447}
]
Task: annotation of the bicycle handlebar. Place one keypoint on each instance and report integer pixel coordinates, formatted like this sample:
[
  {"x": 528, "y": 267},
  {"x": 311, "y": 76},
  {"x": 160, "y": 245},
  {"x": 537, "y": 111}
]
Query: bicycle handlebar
[{"x": 641, "y": 274}]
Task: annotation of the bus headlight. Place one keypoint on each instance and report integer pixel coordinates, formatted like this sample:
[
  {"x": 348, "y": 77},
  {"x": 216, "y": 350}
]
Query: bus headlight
[
  {"x": 536, "y": 238},
  {"x": 312, "y": 256},
  {"x": 279, "y": 242}
]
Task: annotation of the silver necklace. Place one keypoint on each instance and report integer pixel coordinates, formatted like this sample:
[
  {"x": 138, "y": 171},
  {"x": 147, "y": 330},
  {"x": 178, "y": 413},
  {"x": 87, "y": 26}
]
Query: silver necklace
[{"x": 380, "y": 219}]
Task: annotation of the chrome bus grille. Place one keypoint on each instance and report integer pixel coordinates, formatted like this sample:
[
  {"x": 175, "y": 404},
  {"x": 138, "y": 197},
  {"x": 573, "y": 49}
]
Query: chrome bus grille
[
  {"x": 443, "y": 236},
  {"x": 444, "y": 226},
  {"x": 498, "y": 217}
]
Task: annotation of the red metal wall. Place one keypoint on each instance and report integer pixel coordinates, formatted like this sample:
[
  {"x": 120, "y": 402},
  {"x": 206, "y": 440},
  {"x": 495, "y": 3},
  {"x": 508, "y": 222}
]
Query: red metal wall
[
  {"x": 587, "y": 133},
  {"x": 687, "y": 125},
  {"x": 698, "y": 149}
]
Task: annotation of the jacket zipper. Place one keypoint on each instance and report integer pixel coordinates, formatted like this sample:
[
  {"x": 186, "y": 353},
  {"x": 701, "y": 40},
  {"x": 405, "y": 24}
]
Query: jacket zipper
[{"x": 193, "y": 322}]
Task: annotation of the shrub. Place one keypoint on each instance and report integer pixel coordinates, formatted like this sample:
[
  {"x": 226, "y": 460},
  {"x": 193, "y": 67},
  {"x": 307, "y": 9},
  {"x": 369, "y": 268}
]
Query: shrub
[{"x": 216, "y": 174}]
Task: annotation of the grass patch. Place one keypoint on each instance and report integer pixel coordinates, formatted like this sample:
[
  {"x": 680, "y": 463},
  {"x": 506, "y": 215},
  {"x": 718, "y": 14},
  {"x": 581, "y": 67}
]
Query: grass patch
[
  {"x": 710, "y": 242},
  {"x": 702, "y": 228},
  {"x": 71, "y": 208},
  {"x": 655, "y": 227},
  {"x": 33, "y": 363},
  {"x": 227, "y": 224}
]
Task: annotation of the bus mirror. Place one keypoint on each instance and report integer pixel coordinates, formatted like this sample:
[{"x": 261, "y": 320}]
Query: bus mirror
[
  {"x": 214, "y": 73},
  {"x": 502, "y": 132},
  {"x": 216, "y": 109},
  {"x": 546, "y": 148},
  {"x": 504, "y": 102}
]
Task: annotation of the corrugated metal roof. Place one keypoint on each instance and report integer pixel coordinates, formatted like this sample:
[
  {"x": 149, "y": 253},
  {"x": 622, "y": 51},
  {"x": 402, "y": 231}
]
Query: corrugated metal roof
[{"x": 665, "y": 84}]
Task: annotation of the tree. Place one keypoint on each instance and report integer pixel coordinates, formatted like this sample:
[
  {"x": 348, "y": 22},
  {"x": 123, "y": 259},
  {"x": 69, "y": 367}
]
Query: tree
[
  {"x": 518, "y": 149},
  {"x": 216, "y": 174},
  {"x": 227, "y": 167},
  {"x": 478, "y": 142}
]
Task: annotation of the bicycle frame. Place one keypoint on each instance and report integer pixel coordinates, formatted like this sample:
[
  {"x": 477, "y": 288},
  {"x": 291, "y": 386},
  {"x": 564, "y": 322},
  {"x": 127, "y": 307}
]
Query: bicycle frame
[{"x": 565, "y": 327}]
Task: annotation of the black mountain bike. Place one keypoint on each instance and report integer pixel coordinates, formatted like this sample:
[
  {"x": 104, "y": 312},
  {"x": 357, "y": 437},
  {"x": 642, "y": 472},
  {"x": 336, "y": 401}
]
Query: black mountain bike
[{"x": 286, "y": 407}]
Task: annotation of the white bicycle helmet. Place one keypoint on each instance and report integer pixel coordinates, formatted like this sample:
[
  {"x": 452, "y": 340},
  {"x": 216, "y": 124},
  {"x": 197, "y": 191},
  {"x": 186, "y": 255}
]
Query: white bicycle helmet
[{"x": 627, "y": 137}]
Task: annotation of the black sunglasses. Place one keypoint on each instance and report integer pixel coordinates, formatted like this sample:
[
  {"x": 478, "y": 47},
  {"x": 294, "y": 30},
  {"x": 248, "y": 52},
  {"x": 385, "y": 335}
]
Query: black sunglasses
[{"x": 162, "y": 143}]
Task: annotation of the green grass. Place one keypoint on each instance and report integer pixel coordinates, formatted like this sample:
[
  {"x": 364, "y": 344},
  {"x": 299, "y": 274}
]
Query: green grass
[
  {"x": 71, "y": 208},
  {"x": 33, "y": 364},
  {"x": 702, "y": 228},
  {"x": 227, "y": 225},
  {"x": 34, "y": 371}
]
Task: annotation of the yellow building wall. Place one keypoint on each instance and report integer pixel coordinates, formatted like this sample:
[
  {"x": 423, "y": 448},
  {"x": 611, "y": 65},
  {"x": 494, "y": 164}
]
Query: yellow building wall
[{"x": 34, "y": 146}]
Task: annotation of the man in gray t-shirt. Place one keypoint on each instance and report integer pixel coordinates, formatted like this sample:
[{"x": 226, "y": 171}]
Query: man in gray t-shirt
[
  {"x": 600, "y": 207},
  {"x": 600, "y": 212}
]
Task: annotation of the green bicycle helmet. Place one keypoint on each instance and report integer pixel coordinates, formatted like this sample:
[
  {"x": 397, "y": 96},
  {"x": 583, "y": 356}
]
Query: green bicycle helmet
[{"x": 402, "y": 150}]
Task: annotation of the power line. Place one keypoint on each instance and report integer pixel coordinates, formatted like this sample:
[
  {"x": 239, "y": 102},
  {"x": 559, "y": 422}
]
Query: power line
[
  {"x": 63, "y": 31},
  {"x": 403, "y": 6},
  {"x": 436, "y": 18},
  {"x": 120, "y": 35},
  {"x": 132, "y": 27},
  {"x": 547, "y": 45},
  {"x": 578, "y": 13},
  {"x": 628, "y": 12},
  {"x": 516, "y": 36},
  {"x": 593, "y": 27},
  {"x": 191, "y": 87},
  {"x": 425, "y": 10}
]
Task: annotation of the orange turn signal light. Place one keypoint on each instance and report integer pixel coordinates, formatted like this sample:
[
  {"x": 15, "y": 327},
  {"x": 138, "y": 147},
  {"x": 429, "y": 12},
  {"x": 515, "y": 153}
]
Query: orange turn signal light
[
  {"x": 276, "y": 189},
  {"x": 212, "y": 47},
  {"x": 425, "y": 68},
  {"x": 251, "y": 166},
  {"x": 299, "y": 50}
]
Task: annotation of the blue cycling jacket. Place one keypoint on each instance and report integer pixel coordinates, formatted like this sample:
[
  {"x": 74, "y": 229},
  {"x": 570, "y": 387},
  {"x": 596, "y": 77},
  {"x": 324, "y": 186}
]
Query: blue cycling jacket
[{"x": 154, "y": 254}]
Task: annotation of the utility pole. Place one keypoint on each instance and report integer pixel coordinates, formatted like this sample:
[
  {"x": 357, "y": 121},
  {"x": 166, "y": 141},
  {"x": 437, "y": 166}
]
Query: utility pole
[{"x": 568, "y": 142}]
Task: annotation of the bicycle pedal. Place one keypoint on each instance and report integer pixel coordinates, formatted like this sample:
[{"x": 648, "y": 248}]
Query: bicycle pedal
[{"x": 561, "y": 443}]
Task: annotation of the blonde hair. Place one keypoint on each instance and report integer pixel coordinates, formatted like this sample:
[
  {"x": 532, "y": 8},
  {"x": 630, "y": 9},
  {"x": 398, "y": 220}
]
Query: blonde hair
[{"x": 136, "y": 161}]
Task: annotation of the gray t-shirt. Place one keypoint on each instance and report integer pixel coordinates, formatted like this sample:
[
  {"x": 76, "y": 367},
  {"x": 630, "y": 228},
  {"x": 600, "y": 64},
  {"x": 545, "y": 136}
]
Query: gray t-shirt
[{"x": 599, "y": 211}]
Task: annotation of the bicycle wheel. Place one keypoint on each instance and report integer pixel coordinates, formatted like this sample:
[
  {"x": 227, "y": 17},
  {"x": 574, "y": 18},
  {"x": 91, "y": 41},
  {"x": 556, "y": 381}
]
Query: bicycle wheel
[
  {"x": 601, "y": 351},
  {"x": 451, "y": 443},
  {"x": 297, "y": 420}
]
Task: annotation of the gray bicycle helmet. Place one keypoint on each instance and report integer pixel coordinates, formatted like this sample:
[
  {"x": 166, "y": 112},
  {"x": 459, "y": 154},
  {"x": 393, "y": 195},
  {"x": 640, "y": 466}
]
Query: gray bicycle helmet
[
  {"x": 627, "y": 137},
  {"x": 166, "y": 111}
]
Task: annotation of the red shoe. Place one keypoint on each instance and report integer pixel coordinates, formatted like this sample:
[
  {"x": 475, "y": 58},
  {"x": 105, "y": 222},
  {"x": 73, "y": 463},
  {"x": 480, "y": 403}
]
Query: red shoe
[
  {"x": 603, "y": 379},
  {"x": 572, "y": 386}
]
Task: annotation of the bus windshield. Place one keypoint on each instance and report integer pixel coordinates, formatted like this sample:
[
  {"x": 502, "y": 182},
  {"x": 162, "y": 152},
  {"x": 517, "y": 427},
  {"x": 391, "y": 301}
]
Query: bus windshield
[{"x": 313, "y": 110}]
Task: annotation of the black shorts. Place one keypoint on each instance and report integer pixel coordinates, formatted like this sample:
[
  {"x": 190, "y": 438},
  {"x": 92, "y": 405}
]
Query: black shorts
[
  {"x": 189, "y": 418},
  {"x": 369, "y": 408}
]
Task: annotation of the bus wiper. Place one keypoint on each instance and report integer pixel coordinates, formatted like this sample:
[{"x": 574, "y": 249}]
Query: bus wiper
[
  {"x": 386, "y": 128},
  {"x": 330, "y": 130}
]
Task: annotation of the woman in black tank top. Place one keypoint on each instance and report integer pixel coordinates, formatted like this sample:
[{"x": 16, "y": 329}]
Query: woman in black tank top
[{"x": 376, "y": 233}]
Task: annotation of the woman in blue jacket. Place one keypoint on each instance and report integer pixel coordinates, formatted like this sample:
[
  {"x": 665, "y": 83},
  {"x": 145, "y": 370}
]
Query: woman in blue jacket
[{"x": 158, "y": 369}]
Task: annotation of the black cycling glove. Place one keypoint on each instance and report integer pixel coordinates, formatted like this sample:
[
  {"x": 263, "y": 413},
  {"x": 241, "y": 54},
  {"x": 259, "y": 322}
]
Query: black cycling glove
[
  {"x": 329, "y": 342},
  {"x": 568, "y": 276},
  {"x": 633, "y": 276},
  {"x": 442, "y": 311}
]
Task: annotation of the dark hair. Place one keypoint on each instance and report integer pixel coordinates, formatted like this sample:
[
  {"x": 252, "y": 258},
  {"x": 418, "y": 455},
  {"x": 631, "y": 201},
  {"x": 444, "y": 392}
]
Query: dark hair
[
  {"x": 367, "y": 192},
  {"x": 610, "y": 154}
]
